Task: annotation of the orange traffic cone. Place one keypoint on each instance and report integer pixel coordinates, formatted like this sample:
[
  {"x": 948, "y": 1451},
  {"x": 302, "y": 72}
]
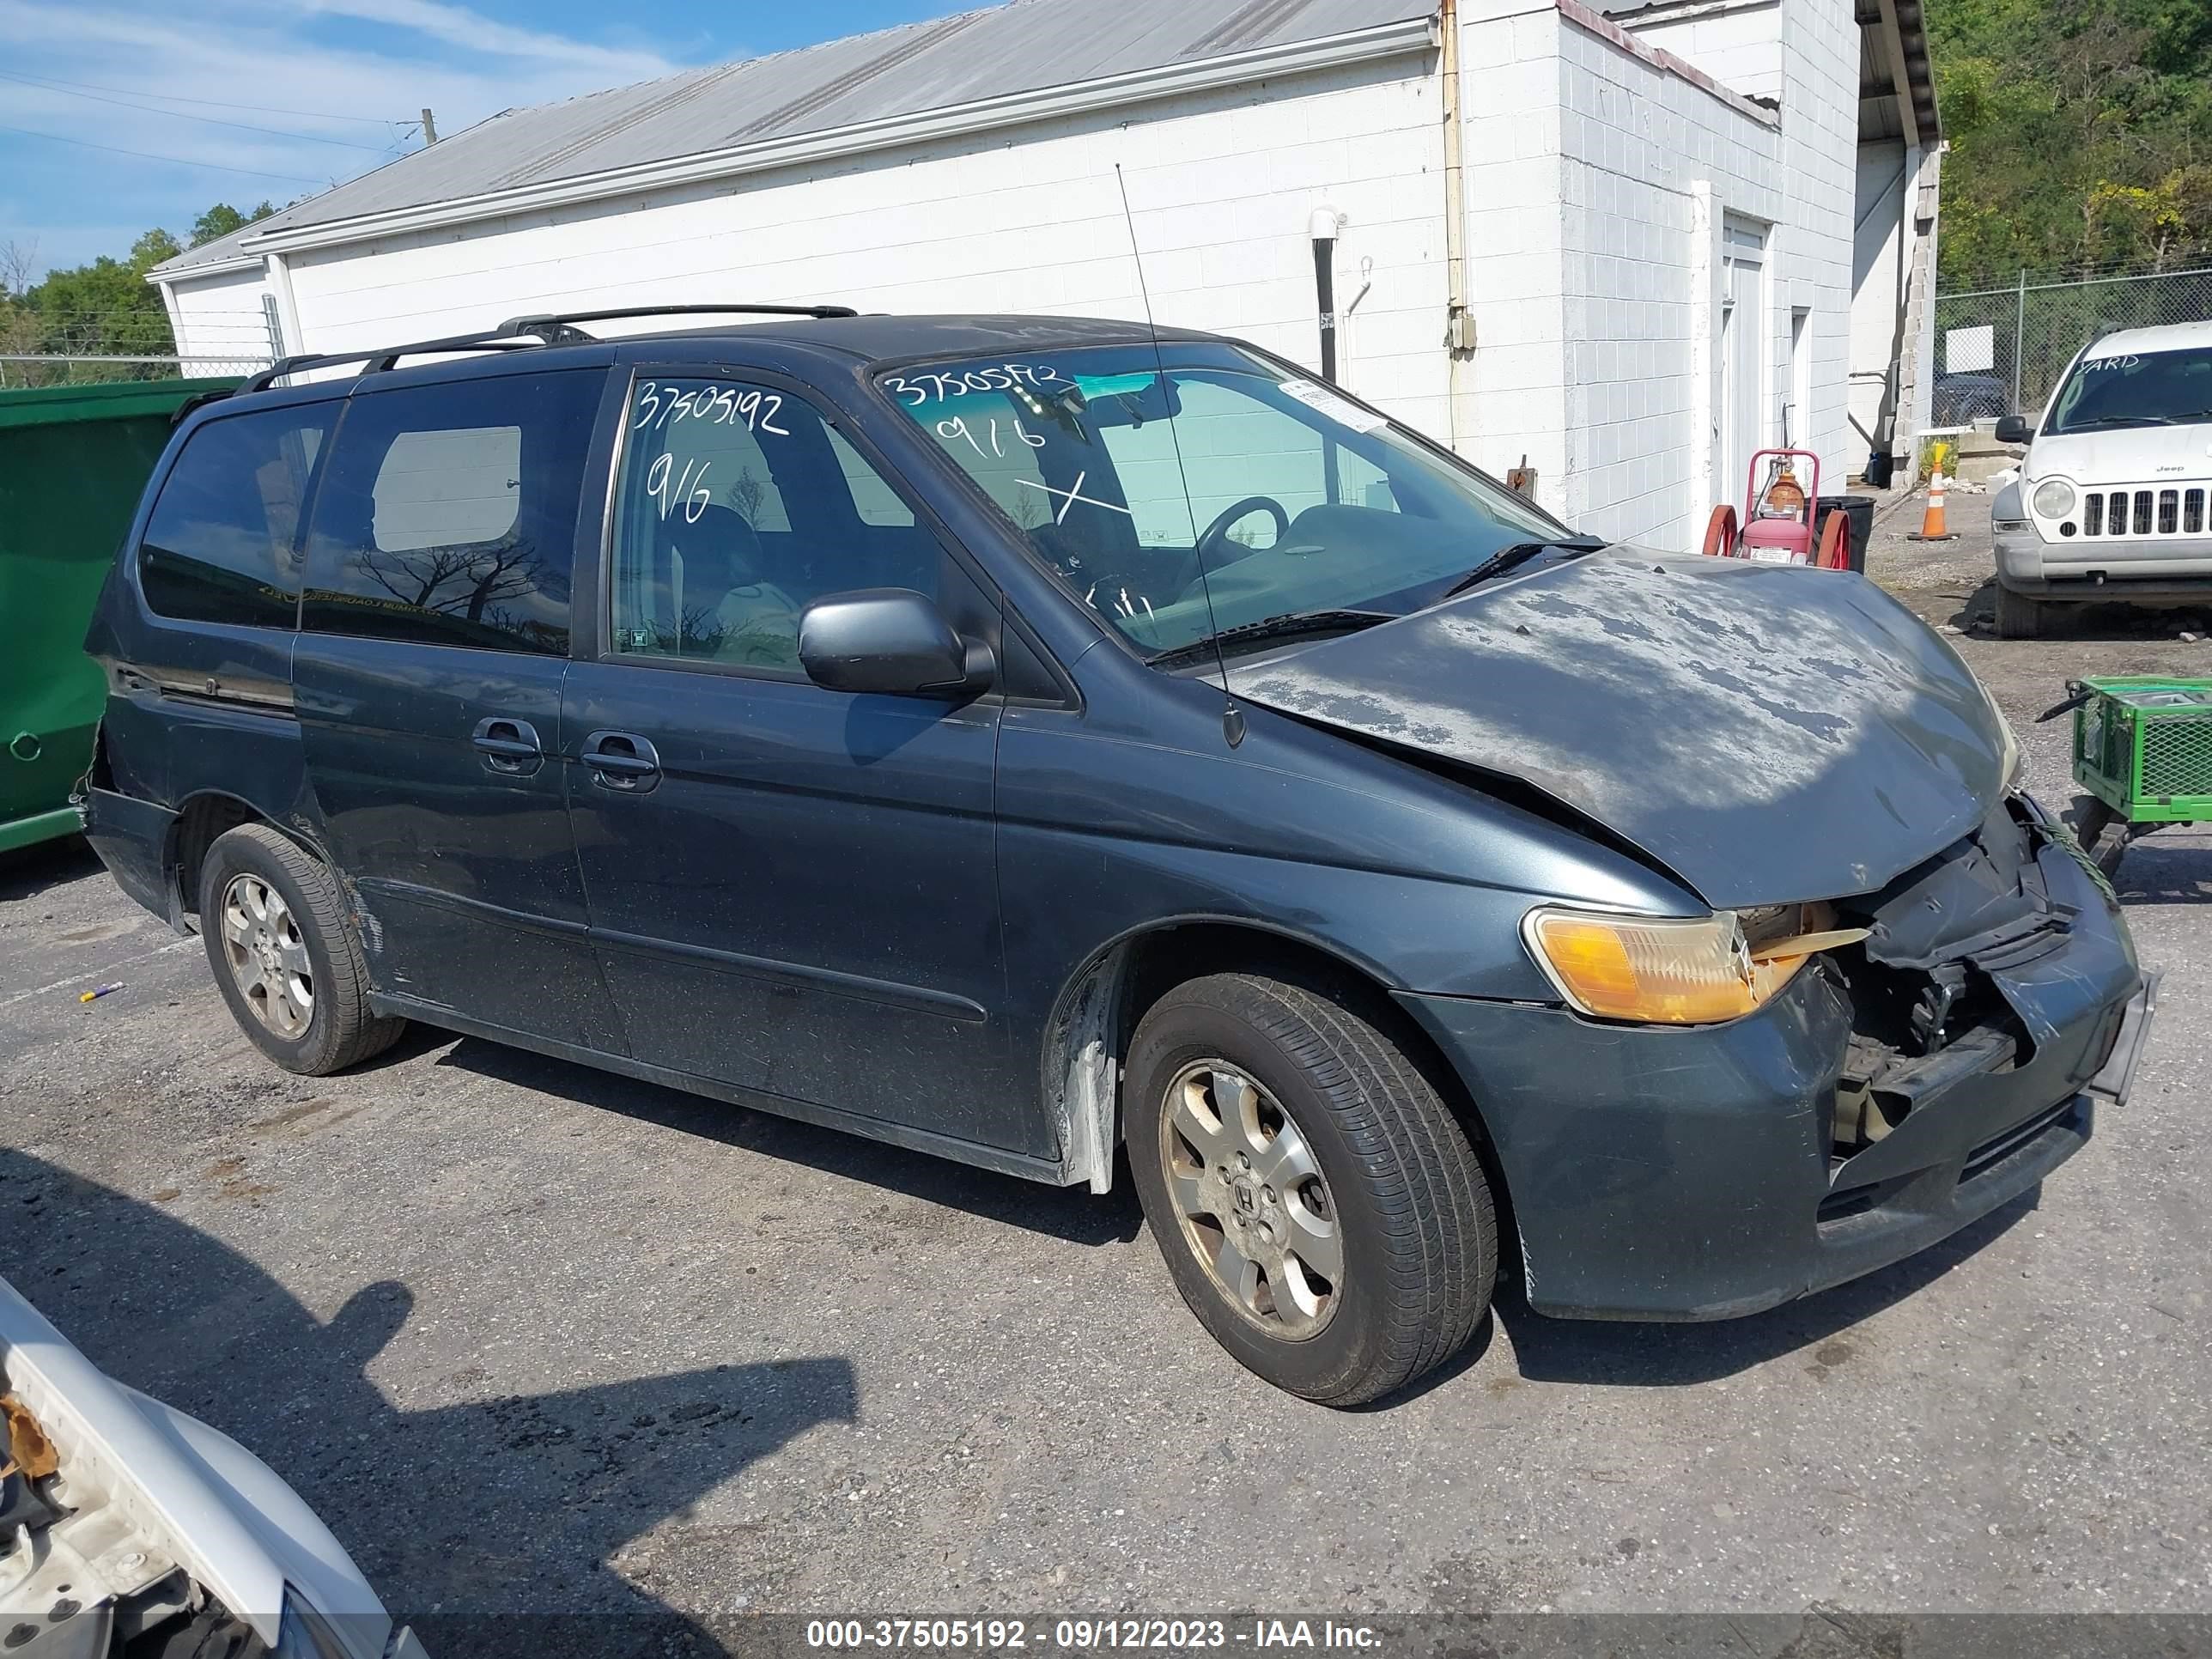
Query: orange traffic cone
[{"x": 1932, "y": 528}]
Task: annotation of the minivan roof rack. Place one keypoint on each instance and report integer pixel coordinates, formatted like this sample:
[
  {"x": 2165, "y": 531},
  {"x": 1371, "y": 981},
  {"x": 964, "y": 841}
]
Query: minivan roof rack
[
  {"x": 514, "y": 334},
  {"x": 561, "y": 320},
  {"x": 378, "y": 358}
]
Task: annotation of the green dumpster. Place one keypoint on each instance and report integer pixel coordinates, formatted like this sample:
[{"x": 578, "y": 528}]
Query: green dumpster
[{"x": 73, "y": 461}]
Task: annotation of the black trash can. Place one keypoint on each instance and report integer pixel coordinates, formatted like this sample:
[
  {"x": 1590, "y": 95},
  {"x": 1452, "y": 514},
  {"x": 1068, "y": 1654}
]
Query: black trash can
[
  {"x": 1879, "y": 466},
  {"x": 1858, "y": 520}
]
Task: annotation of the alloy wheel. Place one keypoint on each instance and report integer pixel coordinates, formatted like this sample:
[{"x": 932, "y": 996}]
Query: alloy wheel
[
  {"x": 267, "y": 956},
  {"x": 1250, "y": 1199}
]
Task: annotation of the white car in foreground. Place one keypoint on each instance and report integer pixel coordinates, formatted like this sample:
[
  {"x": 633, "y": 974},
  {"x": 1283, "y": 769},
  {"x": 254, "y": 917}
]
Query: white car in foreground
[
  {"x": 127, "y": 1527},
  {"x": 2114, "y": 500}
]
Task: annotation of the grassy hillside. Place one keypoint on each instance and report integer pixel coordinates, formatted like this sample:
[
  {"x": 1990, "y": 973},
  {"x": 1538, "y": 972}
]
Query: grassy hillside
[{"x": 2081, "y": 133}]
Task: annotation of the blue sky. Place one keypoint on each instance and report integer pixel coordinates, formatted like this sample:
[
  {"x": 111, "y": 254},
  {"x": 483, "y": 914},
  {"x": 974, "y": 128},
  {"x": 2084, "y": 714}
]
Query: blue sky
[{"x": 332, "y": 87}]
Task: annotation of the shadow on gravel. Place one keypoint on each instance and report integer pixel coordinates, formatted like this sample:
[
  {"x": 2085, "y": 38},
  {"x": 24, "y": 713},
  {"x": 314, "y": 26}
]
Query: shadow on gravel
[
  {"x": 1624, "y": 1355},
  {"x": 2148, "y": 623},
  {"x": 487, "y": 1523},
  {"x": 30, "y": 870},
  {"x": 1070, "y": 1214},
  {"x": 2163, "y": 869}
]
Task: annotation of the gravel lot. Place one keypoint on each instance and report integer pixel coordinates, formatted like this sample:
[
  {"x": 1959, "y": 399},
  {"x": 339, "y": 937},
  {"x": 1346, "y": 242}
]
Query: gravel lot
[{"x": 533, "y": 1338}]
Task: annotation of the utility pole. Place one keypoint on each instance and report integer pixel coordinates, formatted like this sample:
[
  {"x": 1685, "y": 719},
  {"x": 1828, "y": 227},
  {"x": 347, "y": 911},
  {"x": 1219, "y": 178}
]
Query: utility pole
[{"x": 430, "y": 129}]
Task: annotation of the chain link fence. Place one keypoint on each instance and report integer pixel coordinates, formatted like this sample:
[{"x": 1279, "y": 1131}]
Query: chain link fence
[
  {"x": 2000, "y": 351},
  {"x": 21, "y": 370},
  {"x": 38, "y": 350}
]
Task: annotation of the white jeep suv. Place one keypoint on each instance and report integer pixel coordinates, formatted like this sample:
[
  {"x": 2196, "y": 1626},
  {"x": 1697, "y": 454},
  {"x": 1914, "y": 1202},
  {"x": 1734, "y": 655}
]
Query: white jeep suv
[{"x": 2114, "y": 500}]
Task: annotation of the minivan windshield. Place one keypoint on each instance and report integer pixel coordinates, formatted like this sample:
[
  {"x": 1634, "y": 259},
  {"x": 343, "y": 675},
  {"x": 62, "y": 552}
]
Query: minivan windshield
[
  {"x": 2112, "y": 390},
  {"x": 1132, "y": 470}
]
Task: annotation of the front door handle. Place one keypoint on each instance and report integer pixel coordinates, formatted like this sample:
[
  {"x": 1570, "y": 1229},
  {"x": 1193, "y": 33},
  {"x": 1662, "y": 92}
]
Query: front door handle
[
  {"x": 509, "y": 747},
  {"x": 622, "y": 760}
]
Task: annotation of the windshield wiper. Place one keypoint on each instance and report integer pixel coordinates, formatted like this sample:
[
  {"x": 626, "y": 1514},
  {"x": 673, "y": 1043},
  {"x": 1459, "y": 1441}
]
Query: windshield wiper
[
  {"x": 2096, "y": 422},
  {"x": 1512, "y": 558},
  {"x": 1291, "y": 624}
]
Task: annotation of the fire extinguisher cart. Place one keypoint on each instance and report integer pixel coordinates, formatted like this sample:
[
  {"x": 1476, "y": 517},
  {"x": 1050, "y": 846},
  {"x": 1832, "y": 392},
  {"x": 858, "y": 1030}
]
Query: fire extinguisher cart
[{"x": 1776, "y": 523}]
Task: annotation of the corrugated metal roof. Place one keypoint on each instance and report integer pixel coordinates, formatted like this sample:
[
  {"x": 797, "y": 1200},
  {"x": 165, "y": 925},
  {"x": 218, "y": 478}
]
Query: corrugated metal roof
[{"x": 1029, "y": 45}]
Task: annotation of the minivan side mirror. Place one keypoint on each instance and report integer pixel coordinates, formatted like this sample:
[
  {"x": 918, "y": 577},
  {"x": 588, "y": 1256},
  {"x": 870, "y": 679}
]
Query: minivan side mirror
[
  {"x": 892, "y": 641},
  {"x": 2013, "y": 429}
]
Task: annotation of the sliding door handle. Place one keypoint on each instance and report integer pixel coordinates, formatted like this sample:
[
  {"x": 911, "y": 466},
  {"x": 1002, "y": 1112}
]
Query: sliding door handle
[{"x": 509, "y": 747}]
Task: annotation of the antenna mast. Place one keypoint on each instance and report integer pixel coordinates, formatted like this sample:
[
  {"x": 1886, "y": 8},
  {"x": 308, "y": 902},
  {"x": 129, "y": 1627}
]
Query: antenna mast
[{"x": 1233, "y": 720}]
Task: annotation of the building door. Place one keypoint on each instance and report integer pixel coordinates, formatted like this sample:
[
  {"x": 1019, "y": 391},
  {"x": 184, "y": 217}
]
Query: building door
[{"x": 1743, "y": 431}]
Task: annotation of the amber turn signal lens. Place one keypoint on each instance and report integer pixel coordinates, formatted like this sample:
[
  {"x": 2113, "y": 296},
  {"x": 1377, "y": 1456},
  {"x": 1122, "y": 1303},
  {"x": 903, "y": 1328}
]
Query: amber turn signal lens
[{"x": 1663, "y": 972}]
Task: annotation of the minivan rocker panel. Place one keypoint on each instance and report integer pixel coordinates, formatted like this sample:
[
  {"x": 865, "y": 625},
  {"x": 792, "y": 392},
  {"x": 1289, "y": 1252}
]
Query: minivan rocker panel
[{"x": 911, "y": 746}]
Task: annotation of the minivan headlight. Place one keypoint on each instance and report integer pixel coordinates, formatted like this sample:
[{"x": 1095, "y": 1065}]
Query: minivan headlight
[
  {"x": 2054, "y": 498},
  {"x": 2010, "y": 760},
  {"x": 1655, "y": 971}
]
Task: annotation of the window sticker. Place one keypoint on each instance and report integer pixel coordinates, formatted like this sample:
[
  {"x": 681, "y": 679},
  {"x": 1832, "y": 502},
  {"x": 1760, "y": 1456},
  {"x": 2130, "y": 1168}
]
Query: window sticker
[{"x": 1315, "y": 396}]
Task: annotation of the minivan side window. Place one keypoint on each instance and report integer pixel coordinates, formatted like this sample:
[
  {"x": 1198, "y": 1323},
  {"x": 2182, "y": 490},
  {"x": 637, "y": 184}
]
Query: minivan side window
[
  {"x": 447, "y": 513},
  {"x": 738, "y": 507},
  {"x": 220, "y": 545}
]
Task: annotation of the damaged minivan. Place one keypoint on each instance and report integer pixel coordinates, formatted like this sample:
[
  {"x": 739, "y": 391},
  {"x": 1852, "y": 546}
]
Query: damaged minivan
[{"x": 1034, "y": 740}]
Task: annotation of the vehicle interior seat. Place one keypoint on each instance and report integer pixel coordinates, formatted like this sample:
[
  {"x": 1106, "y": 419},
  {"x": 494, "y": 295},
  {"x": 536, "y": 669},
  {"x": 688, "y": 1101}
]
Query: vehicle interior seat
[{"x": 730, "y": 612}]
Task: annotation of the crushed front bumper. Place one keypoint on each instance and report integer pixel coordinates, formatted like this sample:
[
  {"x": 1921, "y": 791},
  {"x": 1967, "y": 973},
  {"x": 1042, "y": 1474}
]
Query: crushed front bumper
[{"x": 1690, "y": 1173}]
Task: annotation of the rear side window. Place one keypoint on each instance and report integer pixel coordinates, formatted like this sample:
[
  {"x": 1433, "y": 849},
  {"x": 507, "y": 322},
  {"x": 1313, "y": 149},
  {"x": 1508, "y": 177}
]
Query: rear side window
[
  {"x": 221, "y": 543},
  {"x": 447, "y": 514}
]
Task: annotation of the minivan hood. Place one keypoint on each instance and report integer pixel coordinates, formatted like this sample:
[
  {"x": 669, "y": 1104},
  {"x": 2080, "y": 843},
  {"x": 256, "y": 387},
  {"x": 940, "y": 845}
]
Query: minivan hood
[
  {"x": 1770, "y": 733},
  {"x": 2129, "y": 455}
]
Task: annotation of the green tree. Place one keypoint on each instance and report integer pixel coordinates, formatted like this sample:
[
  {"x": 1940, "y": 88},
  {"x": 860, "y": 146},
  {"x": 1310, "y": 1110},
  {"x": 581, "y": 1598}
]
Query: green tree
[
  {"x": 223, "y": 218},
  {"x": 108, "y": 308},
  {"x": 2081, "y": 134},
  {"x": 103, "y": 309}
]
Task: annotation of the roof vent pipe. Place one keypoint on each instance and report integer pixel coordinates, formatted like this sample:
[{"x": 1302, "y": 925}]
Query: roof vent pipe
[
  {"x": 1459, "y": 320},
  {"x": 1323, "y": 226}
]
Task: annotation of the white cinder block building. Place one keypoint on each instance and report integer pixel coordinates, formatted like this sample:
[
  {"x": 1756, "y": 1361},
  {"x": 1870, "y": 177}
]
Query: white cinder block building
[{"x": 1630, "y": 247}]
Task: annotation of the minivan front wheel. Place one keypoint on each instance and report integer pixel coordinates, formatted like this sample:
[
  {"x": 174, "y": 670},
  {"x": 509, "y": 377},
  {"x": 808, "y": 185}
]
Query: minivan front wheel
[
  {"x": 1319, "y": 1206},
  {"x": 274, "y": 925}
]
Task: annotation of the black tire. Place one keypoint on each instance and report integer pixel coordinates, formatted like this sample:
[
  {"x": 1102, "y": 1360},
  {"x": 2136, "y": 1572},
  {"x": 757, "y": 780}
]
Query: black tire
[
  {"x": 2089, "y": 817},
  {"x": 339, "y": 1030},
  {"x": 2018, "y": 616},
  {"x": 1411, "y": 1209}
]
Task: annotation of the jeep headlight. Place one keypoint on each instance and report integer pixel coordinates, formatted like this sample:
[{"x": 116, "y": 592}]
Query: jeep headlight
[
  {"x": 1656, "y": 970},
  {"x": 2054, "y": 498}
]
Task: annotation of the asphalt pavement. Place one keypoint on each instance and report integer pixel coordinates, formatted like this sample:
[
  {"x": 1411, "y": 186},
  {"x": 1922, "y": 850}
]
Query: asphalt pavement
[{"x": 533, "y": 1338}]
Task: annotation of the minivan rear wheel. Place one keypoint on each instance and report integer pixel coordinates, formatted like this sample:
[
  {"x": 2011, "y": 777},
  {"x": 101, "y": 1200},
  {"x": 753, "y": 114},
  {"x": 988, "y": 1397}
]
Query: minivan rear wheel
[
  {"x": 1320, "y": 1207},
  {"x": 274, "y": 925}
]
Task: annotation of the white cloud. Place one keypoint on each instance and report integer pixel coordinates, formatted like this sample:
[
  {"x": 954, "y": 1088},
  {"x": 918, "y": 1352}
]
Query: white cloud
[
  {"x": 460, "y": 63},
  {"x": 458, "y": 26}
]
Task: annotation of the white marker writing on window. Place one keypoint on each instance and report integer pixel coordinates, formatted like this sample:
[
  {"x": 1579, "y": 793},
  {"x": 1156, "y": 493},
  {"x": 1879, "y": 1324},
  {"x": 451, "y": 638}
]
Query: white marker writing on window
[{"x": 694, "y": 500}]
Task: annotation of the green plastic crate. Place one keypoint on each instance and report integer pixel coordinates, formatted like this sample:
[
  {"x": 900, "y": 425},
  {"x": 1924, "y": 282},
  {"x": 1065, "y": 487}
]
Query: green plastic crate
[{"x": 2142, "y": 744}]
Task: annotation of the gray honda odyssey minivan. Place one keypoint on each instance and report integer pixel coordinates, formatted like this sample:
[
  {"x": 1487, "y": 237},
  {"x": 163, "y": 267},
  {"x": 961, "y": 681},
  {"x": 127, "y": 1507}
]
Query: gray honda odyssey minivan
[{"x": 1031, "y": 740}]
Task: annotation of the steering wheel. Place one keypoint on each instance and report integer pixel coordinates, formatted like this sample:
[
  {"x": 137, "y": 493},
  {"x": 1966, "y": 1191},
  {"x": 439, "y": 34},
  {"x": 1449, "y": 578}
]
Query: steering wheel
[{"x": 1220, "y": 528}]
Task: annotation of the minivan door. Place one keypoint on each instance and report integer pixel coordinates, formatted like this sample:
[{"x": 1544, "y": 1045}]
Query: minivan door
[
  {"x": 793, "y": 889},
  {"x": 434, "y": 641}
]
